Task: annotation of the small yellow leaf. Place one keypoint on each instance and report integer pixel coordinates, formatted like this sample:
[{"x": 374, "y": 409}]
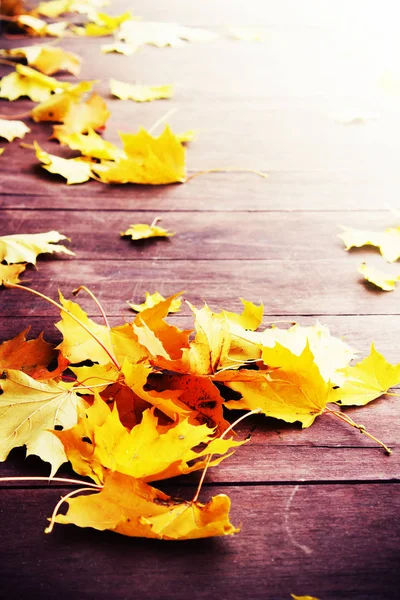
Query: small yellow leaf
[
  {"x": 57, "y": 107},
  {"x": 250, "y": 318},
  {"x": 29, "y": 82},
  {"x": 104, "y": 24},
  {"x": 47, "y": 59},
  {"x": 303, "y": 597},
  {"x": 379, "y": 278},
  {"x": 138, "y": 33},
  {"x": 26, "y": 247},
  {"x": 367, "y": 380},
  {"x": 140, "y": 93},
  {"x": 10, "y": 273},
  {"x": 73, "y": 170},
  {"x": 37, "y": 27},
  {"x": 153, "y": 299},
  {"x": 141, "y": 231},
  {"x": 91, "y": 145},
  {"x": 119, "y": 48},
  {"x": 12, "y": 129},
  {"x": 79, "y": 118},
  {"x": 387, "y": 241}
]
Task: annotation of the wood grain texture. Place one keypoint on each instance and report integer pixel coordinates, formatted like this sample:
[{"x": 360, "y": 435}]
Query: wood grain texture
[
  {"x": 336, "y": 541},
  {"x": 319, "y": 507}
]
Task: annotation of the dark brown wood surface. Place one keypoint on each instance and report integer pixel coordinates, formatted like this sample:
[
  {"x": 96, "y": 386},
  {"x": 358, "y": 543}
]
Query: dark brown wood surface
[{"x": 319, "y": 508}]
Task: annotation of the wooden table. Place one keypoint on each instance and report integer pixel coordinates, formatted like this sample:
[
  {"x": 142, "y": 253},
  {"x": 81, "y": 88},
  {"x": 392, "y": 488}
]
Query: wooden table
[{"x": 319, "y": 508}]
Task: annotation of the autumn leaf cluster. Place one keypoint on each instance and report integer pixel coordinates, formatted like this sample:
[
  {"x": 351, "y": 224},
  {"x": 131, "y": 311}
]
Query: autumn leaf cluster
[{"x": 144, "y": 401}]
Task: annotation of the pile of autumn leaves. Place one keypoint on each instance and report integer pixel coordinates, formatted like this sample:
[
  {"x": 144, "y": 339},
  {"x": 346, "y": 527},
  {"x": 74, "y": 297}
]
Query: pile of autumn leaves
[{"x": 144, "y": 401}]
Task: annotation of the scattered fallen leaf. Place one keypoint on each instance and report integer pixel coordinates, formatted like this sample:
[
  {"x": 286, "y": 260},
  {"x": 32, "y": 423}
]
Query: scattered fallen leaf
[
  {"x": 59, "y": 106},
  {"x": 91, "y": 144},
  {"x": 151, "y": 160},
  {"x": 140, "y": 93},
  {"x": 119, "y": 48},
  {"x": 387, "y": 241},
  {"x": 367, "y": 380},
  {"x": 103, "y": 24},
  {"x": 47, "y": 59},
  {"x": 55, "y": 8},
  {"x": 303, "y": 597},
  {"x": 26, "y": 247},
  {"x": 25, "y": 81},
  {"x": 12, "y": 129},
  {"x": 130, "y": 506},
  {"x": 10, "y": 273},
  {"x": 74, "y": 170},
  {"x": 153, "y": 299},
  {"x": 37, "y": 27},
  {"x": 384, "y": 281},
  {"x": 138, "y": 33},
  {"x": 142, "y": 231},
  {"x": 91, "y": 114}
]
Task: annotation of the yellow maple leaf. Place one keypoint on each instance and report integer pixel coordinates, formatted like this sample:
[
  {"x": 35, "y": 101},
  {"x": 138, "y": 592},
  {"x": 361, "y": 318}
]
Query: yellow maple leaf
[
  {"x": 379, "y": 278},
  {"x": 153, "y": 299},
  {"x": 138, "y": 33},
  {"x": 103, "y": 24},
  {"x": 293, "y": 389},
  {"x": 37, "y": 27},
  {"x": 73, "y": 170},
  {"x": 57, "y": 107},
  {"x": 91, "y": 114},
  {"x": 47, "y": 59},
  {"x": 26, "y": 247},
  {"x": 139, "y": 92},
  {"x": 387, "y": 241},
  {"x": 29, "y": 409},
  {"x": 148, "y": 452},
  {"x": 150, "y": 160},
  {"x": 367, "y": 380},
  {"x": 91, "y": 144},
  {"x": 250, "y": 318},
  {"x": 118, "y": 47},
  {"x": 12, "y": 129},
  {"x": 131, "y": 507},
  {"x": 142, "y": 231},
  {"x": 25, "y": 81},
  {"x": 10, "y": 273}
]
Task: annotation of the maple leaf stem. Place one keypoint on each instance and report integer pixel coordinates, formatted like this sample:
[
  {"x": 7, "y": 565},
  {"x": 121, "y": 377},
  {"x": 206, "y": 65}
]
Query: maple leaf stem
[
  {"x": 26, "y": 146},
  {"x": 221, "y": 437},
  {"x": 61, "y": 307},
  {"x": 358, "y": 426},
  {"x": 154, "y": 221},
  {"x": 227, "y": 170},
  {"x": 50, "y": 480},
  {"x": 161, "y": 120},
  {"x": 52, "y": 519},
  {"x": 93, "y": 297}
]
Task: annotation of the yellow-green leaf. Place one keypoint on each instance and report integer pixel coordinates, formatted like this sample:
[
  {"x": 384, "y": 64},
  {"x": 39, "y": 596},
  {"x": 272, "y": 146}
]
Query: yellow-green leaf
[
  {"x": 141, "y": 231},
  {"x": 26, "y": 247},
  {"x": 73, "y": 170},
  {"x": 387, "y": 241},
  {"x": 379, "y": 278}
]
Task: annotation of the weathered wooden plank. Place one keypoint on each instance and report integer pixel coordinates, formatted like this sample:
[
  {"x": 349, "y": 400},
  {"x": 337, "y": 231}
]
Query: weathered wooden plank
[
  {"x": 272, "y": 236},
  {"x": 286, "y": 287},
  {"x": 294, "y": 539}
]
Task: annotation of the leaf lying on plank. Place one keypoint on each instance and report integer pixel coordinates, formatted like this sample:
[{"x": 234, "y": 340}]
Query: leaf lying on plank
[
  {"x": 153, "y": 299},
  {"x": 118, "y": 47},
  {"x": 387, "y": 241},
  {"x": 384, "y": 281},
  {"x": 367, "y": 380},
  {"x": 26, "y": 247},
  {"x": 12, "y": 129},
  {"x": 37, "y": 27},
  {"x": 138, "y": 33},
  {"x": 92, "y": 145},
  {"x": 58, "y": 106},
  {"x": 142, "y": 231},
  {"x": 130, "y": 506},
  {"x": 103, "y": 24},
  {"x": 10, "y": 273},
  {"x": 25, "y": 81},
  {"x": 140, "y": 93},
  {"x": 47, "y": 59},
  {"x": 55, "y": 8},
  {"x": 74, "y": 170},
  {"x": 150, "y": 160}
]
